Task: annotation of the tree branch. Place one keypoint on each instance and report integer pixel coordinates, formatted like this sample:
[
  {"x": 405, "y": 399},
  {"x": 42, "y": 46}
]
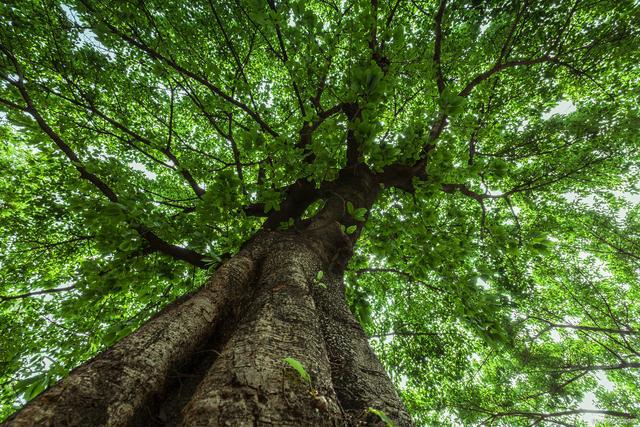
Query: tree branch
[
  {"x": 285, "y": 58},
  {"x": 588, "y": 328},
  {"x": 564, "y": 414},
  {"x": 12, "y": 105},
  {"x": 154, "y": 54},
  {"x": 437, "y": 48},
  {"x": 154, "y": 241},
  {"x": 401, "y": 273},
  {"x": 166, "y": 150},
  {"x": 4, "y": 298},
  {"x": 623, "y": 365},
  {"x": 502, "y": 66},
  {"x": 353, "y": 113}
]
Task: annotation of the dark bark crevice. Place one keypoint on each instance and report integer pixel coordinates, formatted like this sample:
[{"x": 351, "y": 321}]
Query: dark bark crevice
[{"x": 165, "y": 409}]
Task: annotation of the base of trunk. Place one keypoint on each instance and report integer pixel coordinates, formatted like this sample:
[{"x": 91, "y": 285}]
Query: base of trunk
[{"x": 217, "y": 358}]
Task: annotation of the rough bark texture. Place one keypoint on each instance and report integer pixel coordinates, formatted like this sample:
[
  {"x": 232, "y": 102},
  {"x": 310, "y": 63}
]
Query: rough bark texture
[
  {"x": 249, "y": 383},
  {"x": 216, "y": 357},
  {"x": 117, "y": 383}
]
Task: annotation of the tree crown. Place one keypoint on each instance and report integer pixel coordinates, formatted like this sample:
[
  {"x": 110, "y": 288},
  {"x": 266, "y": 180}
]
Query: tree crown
[{"x": 497, "y": 274}]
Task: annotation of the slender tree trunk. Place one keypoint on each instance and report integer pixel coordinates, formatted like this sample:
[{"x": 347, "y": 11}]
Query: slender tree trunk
[{"x": 216, "y": 357}]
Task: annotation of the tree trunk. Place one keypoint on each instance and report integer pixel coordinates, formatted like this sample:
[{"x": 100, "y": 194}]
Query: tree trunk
[{"x": 216, "y": 357}]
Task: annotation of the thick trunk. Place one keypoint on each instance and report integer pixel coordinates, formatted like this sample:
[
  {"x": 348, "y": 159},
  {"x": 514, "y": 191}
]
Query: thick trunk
[{"x": 216, "y": 357}]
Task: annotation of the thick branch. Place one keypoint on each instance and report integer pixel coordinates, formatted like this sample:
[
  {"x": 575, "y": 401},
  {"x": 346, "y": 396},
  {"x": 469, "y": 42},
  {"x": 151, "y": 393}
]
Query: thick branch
[
  {"x": 452, "y": 188},
  {"x": 177, "y": 252},
  {"x": 353, "y": 113},
  {"x": 299, "y": 196},
  {"x": 236, "y": 155},
  {"x": 306, "y": 132}
]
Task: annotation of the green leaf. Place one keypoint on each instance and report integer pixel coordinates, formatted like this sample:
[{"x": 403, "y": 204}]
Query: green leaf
[
  {"x": 383, "y": 417},
  {"x": 295, "y": 364},
  {"x": 319, "y": 275},
  {"x": 212, "y": 259},
  {"x": 351, "y": 229},
  {"x": 125, "y": 246},
  {"x": 350, "y": 208},
  {"x": 33, "y": 386},
  {"x": 359, "y": 214},
  {"x": 451, "y": 103}
]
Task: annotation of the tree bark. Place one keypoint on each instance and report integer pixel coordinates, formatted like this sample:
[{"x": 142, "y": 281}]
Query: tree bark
[{"x": 217, "y": 357}]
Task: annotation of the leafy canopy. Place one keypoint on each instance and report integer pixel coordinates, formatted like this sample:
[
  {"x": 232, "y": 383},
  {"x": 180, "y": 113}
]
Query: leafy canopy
[{"x": 497, "y": 274}]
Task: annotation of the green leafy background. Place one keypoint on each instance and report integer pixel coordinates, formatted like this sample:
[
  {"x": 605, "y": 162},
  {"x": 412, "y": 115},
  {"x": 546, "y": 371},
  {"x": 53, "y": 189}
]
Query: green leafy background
[{"x": 503, "y": 290}]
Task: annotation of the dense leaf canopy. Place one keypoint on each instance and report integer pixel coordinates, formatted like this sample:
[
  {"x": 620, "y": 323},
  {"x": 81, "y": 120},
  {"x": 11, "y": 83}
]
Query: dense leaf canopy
[{"x": 144, "y": 140}]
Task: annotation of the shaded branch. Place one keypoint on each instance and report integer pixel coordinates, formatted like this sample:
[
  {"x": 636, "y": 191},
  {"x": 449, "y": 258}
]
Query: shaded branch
[
  {"x": 502, "y": 66},
  {"x": 46, "y": 246},
  {"x": 13, "y": 105},
  {"x": 543, "y": 415},
  {"x": 504, "y": 51},
  {"x": 437, "y": 48},
  {"x": 392, "y": 14},
  {"x": 556, "y": 388},
  {"x": 166, "y": 150},
  {"x": 619, "y": 250},
  {"x": 452, "y": 188},
  {"x": 4, "y": 298},
  {"x": 353, "y": 113}
]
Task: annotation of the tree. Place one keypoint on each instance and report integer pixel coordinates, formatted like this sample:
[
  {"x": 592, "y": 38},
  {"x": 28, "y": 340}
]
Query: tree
[{"x": 216, "y": 212}]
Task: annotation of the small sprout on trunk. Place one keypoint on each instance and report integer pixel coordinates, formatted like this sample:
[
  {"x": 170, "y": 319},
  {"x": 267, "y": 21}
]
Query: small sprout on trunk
[
  {"x": 383, "y": 417},
  {"x": 318, "y": 280},
  {"x": 295, "y": 364}
]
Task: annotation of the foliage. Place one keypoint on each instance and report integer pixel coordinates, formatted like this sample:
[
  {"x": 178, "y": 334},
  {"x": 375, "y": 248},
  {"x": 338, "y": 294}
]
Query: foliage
[
  {"x": 383, "y": 417},
  {"x": 144, "y": 141},
  {"x": 299, "y": 368}
]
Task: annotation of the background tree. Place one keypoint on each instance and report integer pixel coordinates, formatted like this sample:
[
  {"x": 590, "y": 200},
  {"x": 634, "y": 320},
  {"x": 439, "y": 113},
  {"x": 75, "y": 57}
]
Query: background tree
[{"x": 483, "y": 155}]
